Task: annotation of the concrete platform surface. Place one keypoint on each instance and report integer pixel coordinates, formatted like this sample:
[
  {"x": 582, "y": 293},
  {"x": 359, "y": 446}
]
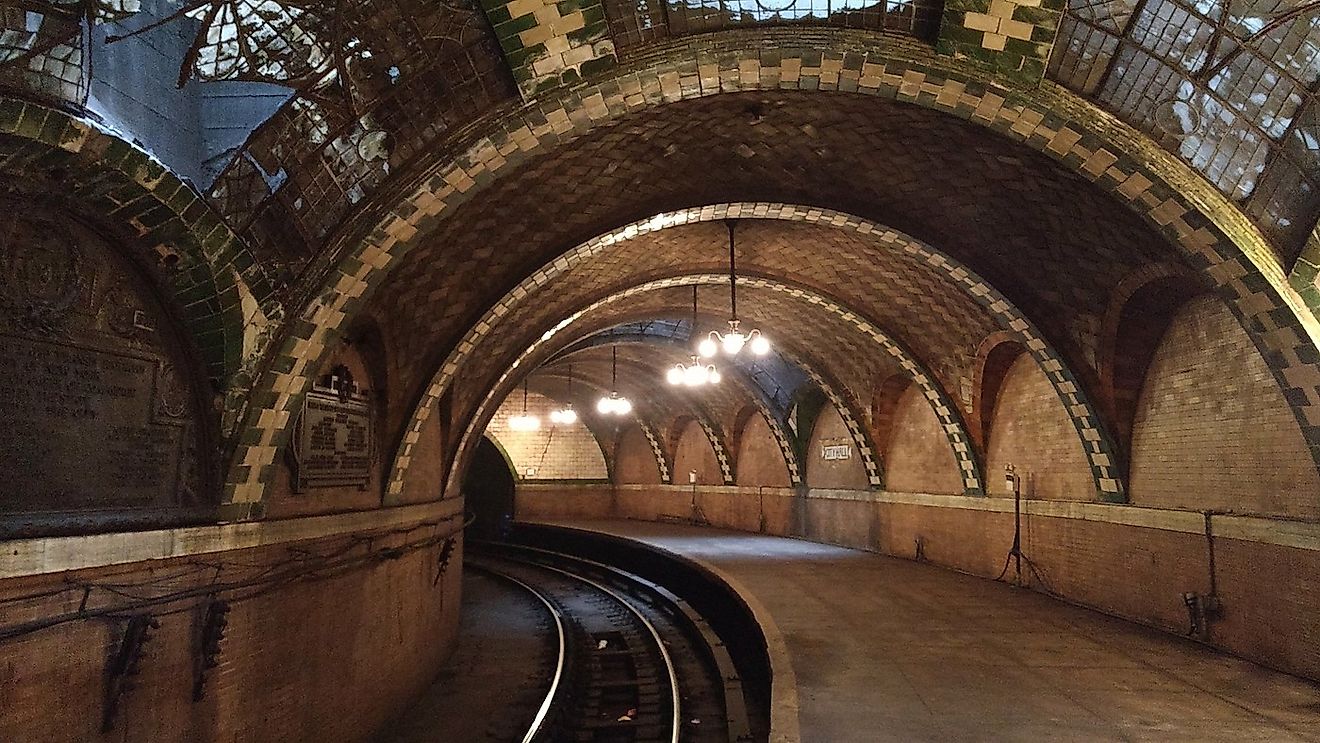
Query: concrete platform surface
[{"x": 885, "y": 649}]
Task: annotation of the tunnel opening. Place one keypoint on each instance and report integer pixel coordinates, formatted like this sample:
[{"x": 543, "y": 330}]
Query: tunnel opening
[{"x": 488, "y": 489}]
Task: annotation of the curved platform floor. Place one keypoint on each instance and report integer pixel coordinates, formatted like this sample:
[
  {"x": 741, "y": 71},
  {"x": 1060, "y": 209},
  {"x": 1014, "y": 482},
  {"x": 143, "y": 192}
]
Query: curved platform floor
[{"x": 889, "y": 649}]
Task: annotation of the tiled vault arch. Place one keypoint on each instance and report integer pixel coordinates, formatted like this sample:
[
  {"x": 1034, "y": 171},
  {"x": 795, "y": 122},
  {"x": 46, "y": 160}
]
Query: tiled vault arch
[
  {"x": 1117, "y": 158},
  {"x": 118, "y": 181},
  {"x": 1096, "y": 441},
  {"x": 955, "y": 430}
]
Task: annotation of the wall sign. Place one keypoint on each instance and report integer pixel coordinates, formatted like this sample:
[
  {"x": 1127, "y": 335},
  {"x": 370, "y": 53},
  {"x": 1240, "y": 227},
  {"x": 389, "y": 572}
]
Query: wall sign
[
  {"x": 334, "y": 435},
  {"x": 835, "y": 449}
]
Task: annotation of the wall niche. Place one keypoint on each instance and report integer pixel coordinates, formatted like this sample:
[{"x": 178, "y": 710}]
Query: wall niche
[{"x": 100, "y": 421}]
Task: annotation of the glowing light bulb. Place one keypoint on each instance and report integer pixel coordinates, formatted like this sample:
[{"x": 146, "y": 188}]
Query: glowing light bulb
[
  {"x": 760, "y": 344},
  {"x": 713, "y": 375},
  {"x": 675, "y": 375},
  {"x": 708, "y": 347},
  {"x": 567, "y": 416},
  {"x": 622, "y": 406},
  {"x": 605, "y": 406},
  {"x": 733, "y": 342},
  {"x": 524, "y": 423}
]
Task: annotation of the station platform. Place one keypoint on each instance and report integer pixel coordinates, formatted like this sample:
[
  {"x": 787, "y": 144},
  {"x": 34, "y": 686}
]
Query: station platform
[{"x": 873, "y": 648}]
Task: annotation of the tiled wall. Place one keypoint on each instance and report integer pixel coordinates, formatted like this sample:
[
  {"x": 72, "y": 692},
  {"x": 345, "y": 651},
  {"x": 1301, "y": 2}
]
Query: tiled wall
[
  {"x": 1212, "y": 430},
  {"x": 552, "y": 452}
]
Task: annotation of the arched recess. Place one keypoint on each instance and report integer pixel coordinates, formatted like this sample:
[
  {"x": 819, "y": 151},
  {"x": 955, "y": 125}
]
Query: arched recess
[
  {"x": 1211, "y": 431},
  {"x": 662, "y": 461},
  {"x": 636, "y": 461},
  {"x": 108, "y": 421},
  {"x": 1031, "y": 431},
  {"x": 224, "y": 295},
  {"x": 884, "y": 402},
  {"x": 949, "y": 415},
  {"x": 697, "y": 454},
  {"x": 1156, "y": 185},
  {"x": 826, "y": 466},
  {"x": 916, "y": 459},
  {"x": 993, "y": 359},
  {"x": 763, "y": 459},
  {"x": 1140, "y": 311}
]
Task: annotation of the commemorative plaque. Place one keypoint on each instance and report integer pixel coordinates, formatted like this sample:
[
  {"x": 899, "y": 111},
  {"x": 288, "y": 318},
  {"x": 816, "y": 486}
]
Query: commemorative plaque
[
  {"x": 93, "y": 414},
  {"x": 334, "y": 435}
]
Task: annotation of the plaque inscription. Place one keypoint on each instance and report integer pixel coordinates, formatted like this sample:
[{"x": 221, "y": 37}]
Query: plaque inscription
[
  {"x": 80, "y": 428},
  {"x": 92, "y": 412},
  {"x": 334, "y": 437}
]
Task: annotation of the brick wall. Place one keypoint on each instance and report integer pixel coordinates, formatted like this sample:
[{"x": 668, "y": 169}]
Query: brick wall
[
  {"x": 1031, "y": 430},
  {"x": 918, "y": 458},
  {"x": 760, "y": 462},
  {"x": 836, "y": 473},
  {"x": 693, "y": 453},
  {"x": 1212, "y": 430},
  {"x": 317, "y": 660},
  {"x": 634, "y": 460},
  {"x": 552, "y": 452}
]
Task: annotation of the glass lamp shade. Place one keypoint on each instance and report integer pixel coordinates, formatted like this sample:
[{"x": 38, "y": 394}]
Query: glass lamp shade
[
  {"x": 605, "y": 406},
  {"x": 713, "y": 375},
  {"x": 563, "y": 416},
  {"x": 732, "y": 342},
  {"x": 675, "y": 375}
]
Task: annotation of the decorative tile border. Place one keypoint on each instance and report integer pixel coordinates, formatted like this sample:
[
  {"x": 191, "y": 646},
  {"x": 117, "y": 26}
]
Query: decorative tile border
[{"x": 661, "y": 456}]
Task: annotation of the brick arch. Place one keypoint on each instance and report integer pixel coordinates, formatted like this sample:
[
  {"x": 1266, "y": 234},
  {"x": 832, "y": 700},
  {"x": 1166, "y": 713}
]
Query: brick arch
[
  {"x": 1141, "y": 308},
  {"x": 202, "y": 264},
  {"x": 993, "y": 360},
  {"x": 1154, "y": 184},
  {"x": 951, "y": 420}
]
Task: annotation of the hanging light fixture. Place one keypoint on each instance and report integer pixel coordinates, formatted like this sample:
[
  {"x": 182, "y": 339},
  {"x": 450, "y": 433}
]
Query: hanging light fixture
[
  {"x": 733, "y": 341},
  {"x": 524, "y": 421},
  {"x": 694, "y": 374},
  {"x": 614, "y": 404},
  {"x": 566, "y": 415}
]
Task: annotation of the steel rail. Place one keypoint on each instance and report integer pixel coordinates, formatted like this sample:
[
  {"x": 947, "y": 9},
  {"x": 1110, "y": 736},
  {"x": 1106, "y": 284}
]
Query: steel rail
[
  {"x": 543, "y": 713},
  {"x": 676, "y": 717}
]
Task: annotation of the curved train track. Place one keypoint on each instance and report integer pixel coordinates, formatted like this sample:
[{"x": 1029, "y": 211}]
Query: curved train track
[{"x": 634, "y": 662}]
